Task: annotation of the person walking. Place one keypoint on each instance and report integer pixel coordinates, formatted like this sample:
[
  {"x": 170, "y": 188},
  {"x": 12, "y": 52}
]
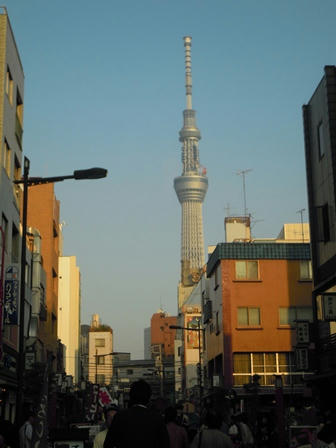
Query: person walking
[
  {"x": 109, "y": 413},
  {"x": 178, "y": 436},
  {"x": 138, "y": 426},
  {"x": 212, "y": 436},
  {"x": 26, "y": 432}
]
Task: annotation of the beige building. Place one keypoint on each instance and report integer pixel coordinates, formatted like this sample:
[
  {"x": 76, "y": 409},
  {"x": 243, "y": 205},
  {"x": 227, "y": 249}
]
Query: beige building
[
  {"x": 100, "y": 352},
  {"x": 11, "y": 130},
  {"x": 69, "y": 306}
]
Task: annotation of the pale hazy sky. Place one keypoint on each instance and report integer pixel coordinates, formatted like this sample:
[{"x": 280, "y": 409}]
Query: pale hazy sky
[{"x": 104, "y": 86}]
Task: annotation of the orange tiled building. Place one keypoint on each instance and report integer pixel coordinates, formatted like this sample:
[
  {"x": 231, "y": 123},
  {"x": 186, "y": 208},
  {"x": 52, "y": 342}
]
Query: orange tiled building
[{"x": 257, "y": 292}]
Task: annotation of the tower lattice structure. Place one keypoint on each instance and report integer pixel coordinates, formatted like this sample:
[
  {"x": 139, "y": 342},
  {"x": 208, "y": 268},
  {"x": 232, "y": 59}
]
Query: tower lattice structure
[{"x": 191, "y": 187}]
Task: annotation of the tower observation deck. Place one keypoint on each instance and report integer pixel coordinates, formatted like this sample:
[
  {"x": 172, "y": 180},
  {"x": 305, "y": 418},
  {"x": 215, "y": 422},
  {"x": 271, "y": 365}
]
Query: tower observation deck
[{"x": 191, "y": 186}]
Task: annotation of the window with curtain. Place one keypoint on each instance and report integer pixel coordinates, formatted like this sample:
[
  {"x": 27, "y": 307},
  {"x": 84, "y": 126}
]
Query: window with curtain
[
  {"x": 306, "y": 270},
  {"x": 247, "y": 270},
  {"x": 289, "y": 315},
  {"x": 248, "y": 316}
]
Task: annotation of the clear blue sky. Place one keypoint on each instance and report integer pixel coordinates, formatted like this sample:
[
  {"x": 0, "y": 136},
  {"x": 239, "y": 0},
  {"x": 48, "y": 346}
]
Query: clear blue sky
[{"x": 104, "y": 86}]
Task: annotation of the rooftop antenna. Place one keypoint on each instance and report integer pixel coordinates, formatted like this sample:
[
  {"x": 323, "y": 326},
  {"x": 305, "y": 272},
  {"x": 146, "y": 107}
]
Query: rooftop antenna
[
  {"x": 243, "y": 173},
  {"x": 301, "y": 214}
]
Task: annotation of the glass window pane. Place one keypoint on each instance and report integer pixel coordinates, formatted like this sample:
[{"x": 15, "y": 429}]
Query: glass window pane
[
  {"x": 305, "y": 313},
  {"x": 284, "y": 316},
  {"x": 258, "y": 362},
  {"x": 240, "y": 270},
  {"x": 270, "y": 362},
  {"x": 283, "y": 359},
  {"x": 241, "y": 363},
  {"x": 254, "y": 316},
  {"x": 252, "y": 270},
  {"x": 292, "y": 315},
  {"x": 242, "y": 316}
]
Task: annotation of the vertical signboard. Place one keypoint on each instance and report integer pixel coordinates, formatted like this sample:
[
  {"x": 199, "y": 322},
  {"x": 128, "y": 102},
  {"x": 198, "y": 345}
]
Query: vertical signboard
[
  {"x": 329, "y": 306},
  {"x": 11, "y": 295}
]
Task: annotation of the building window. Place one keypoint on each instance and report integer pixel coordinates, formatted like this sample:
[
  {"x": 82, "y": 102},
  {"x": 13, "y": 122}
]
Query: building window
[
  {"x": 55, "y": 279},
  {"x": 129, "y": 371},
  {"x": 17, "y": 176},
  {"x": 217, "y": 323},
  {"x": 248, "y": 316},
  {"x": 100, "y": 342},
  {"x": 306, "y": 270},
  {"x": 101, "y": 360},
  {"x": 15, "y": 244},
  {"x": 266, "y": 365},
  {"x": 320, "y": 138},
  {"x": 247, "y": 270},
  {"x": 216, "y": 278},
  {"x": 289, "y": 315},
  {"x": 323, "y": 224},
  {"x": 9, "y": 86},
  {"x": 7, "y": 159},
  {"x": 4, "y": 226},
  {"x": 19, "y": 118},
  {"x": 100, "y": 378}
]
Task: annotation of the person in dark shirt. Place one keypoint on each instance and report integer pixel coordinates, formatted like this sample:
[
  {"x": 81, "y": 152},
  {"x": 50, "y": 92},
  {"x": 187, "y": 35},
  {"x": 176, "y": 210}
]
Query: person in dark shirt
[{"x": 138, "y": 426}]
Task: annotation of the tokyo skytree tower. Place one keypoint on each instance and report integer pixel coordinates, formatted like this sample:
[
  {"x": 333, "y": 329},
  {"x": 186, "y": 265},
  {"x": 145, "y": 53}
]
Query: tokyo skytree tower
[{"x": 191, "y": 186}]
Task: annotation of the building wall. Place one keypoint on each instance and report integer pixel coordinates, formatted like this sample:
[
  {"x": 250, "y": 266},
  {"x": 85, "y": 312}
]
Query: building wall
[
  {"x": 101, "y": 373},
  {"x": 161, "y": 334},
  {"x": 279, "y": 285},
  {"x": 43, "y": 214},
  {"x": 69, "y": 305},
  {"x": 10, "y": 196}
]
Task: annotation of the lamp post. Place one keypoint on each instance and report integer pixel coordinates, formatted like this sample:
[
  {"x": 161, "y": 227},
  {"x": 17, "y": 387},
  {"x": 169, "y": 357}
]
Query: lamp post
[
  {"x": 198, "y": 329},
  {"x": 26, "y": 181}
]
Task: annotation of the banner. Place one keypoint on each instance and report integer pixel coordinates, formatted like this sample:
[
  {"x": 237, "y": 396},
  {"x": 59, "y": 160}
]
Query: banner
[
  {"x": 104, "y": 397},
  {"x": 11, "y": 296},
  {"x": 40, "y": 434}
]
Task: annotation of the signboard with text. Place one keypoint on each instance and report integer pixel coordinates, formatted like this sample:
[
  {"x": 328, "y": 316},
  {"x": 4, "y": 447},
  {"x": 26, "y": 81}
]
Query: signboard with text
[
  {"x": 329, "y": 306},
  {"x": 11, "y": 295}
]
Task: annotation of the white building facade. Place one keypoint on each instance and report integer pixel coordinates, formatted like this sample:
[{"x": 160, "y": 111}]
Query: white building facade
[{"x": 69, "y": 307}]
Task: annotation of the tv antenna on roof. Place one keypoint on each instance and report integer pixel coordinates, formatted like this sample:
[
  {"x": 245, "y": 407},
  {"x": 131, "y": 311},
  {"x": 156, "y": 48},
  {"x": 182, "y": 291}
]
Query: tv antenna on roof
[
  {"x": 243, "y": 173},
  {"x": 301, "y": 213}
]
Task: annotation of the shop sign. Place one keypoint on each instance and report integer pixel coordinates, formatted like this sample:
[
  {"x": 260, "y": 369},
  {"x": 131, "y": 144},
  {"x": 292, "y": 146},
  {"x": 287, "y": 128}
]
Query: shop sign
[
  {"x": 302, "y": 332},
  {"x": 329, "y": 306},
  {"x": 11, "y": 296}
]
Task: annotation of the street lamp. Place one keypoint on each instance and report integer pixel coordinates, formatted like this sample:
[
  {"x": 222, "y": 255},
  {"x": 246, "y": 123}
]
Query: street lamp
[
  {"x": 198, "y": 329},
  {"x": 92, "y": 173}
]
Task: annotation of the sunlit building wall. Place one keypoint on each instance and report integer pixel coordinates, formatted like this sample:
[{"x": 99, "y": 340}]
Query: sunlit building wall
[{"x": 69, "y": 306}]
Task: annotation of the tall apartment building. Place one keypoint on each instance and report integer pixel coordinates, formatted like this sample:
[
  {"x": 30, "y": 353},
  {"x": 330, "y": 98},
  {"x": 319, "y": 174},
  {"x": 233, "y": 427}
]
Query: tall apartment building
[
  {"x": 100, "y": 366},
  {"x": 257, "y": 293},
  {"x": 319, "y": 118},
  {"x": 43, "y": 215},
  {"x": 11, "y": 130},
  {"x": 69, "y": 307}
]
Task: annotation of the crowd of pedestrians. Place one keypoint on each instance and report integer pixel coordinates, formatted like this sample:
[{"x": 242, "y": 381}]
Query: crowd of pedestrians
[{"x": 143, "y": 425}]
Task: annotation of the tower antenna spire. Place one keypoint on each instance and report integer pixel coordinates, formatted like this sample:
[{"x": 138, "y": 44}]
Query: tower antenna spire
[{"x": 188, "y": 77}]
